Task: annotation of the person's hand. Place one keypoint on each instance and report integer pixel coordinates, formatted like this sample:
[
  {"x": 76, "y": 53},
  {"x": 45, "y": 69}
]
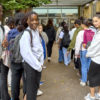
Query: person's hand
[
  {"x": 78, "y": 56},
  {"x": 84, "y": 45},
  {"x": 5, "y": 43}
]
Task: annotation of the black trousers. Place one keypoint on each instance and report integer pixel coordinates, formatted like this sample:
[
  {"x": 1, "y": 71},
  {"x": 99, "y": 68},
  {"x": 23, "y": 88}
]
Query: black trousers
[
  {"x": 72, "y": 54},
  {"x": 77, "y": 64},
  {"x": 0, "y": 79},
  {"x": 17, "y": 71},
  {"x": 49, "y": 48},
  {"x": 4, "y": 87},
  {"x": 32, "y": 82}
]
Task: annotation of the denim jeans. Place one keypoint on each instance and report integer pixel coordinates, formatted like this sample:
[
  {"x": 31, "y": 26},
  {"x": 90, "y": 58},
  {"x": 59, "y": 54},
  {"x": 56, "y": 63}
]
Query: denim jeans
[
  {"x": 67, "y": 59},
  {"x": 85, "y": 64},
  {"x": 61, "y": 57}
]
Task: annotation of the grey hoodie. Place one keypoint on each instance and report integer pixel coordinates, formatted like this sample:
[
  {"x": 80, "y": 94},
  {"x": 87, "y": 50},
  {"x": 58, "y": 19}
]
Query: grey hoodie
[{"x": 94, "y": 50}]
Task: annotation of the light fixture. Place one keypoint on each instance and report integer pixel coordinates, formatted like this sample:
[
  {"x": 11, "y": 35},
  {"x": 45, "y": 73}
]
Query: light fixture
[{"x": 87, "y": 5}]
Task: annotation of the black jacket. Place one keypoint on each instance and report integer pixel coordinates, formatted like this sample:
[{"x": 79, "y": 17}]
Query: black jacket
[{"x": 51, "y": 33}]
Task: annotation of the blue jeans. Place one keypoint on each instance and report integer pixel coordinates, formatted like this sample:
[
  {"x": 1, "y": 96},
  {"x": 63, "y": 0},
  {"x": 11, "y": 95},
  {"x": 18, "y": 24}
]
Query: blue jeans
[
  {"x": 67, "y": 59},
  {"x": 61, "y": 57},
  {"x": 85, "y": 64}
]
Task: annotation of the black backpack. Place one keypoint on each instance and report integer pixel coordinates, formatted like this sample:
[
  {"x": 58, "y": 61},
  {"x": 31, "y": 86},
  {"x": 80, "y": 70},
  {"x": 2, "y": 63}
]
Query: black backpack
[
  {"x": 15, "y": 55},
  {"x": 65, "y": 40}
]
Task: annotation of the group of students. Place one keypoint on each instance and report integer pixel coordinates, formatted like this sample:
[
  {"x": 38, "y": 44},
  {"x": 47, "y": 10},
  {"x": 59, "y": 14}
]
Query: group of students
[
  {"x": 25, "y": 35},
  {"x": 85, "y": 41}
]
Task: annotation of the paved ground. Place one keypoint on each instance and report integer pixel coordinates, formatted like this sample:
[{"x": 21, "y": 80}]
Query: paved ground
[{"x": 61, "y": 82}]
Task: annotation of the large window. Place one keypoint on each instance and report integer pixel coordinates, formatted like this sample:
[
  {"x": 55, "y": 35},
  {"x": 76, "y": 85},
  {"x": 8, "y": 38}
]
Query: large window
[{"x": 55, "y": 11}]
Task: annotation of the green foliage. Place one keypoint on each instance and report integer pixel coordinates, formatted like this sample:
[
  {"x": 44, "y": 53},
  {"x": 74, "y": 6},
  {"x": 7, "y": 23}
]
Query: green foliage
[{"x": 22, "y": 4}]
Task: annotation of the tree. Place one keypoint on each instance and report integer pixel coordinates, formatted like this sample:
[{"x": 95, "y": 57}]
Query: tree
[{"x": 22, "y": 4}]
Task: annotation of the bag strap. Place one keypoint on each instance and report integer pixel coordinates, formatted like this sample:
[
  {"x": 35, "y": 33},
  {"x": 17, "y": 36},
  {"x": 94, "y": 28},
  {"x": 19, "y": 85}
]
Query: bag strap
[
  {"x": 2, "y": 29},
  {"x": 30, "y": 36}
]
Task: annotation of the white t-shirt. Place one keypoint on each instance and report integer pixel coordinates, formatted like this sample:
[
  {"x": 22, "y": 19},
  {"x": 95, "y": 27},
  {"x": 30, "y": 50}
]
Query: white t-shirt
[
  {"x": 61, "y": 35},
  {"x": 71, "y": 33}
]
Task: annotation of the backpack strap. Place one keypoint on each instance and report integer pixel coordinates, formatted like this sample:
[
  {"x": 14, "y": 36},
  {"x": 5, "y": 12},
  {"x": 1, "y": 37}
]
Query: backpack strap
[
  {"x": 30, "y": 36},
  {"x": 2, "y": 29}
]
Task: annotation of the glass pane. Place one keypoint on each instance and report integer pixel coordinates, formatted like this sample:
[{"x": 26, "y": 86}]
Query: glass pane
[
  {"x": 41, "y": 12},
  {"x": 69, "y": 12},
  {"x": 54, "y": 12}
]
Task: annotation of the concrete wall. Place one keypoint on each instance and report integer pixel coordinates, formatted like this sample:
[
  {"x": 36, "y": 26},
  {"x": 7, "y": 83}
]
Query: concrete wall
[
  {"x": 90, "y": 10},
  {"x": 98, "y": 6},
  {"x": 87, "y": 11}
]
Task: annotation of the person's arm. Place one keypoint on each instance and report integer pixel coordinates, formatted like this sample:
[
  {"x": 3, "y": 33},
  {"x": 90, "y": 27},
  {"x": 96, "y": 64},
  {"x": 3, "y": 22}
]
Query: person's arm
[
  {"x": 27, "y": 54},
  {"x": 46, "y": 37},
  {"x": 94, "y": 48},
  {"x": 60, "y": 38},
  {"x": 84, "y": 40},
  {"x": 1, "y": 35},
  {"x": 78, "y": 43},
  {"x": 71, "y": 45}
]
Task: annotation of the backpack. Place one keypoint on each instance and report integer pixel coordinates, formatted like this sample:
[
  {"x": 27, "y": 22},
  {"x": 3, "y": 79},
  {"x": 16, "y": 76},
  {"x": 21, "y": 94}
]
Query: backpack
[
  {"x": 88, "y": 36},
  {"x": 15, "y": 55},
  {"x": 65, "y": 40}
]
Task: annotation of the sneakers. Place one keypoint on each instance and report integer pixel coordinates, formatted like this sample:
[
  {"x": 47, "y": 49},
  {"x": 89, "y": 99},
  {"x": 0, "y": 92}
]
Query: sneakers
[
  {"x": 97, "y": 95},
  {"x": 49, "y": 59},
  {"x": 88, "y": 97},
  {"x": 39, "y": 93},
  {"x": 82, "y": 83}
]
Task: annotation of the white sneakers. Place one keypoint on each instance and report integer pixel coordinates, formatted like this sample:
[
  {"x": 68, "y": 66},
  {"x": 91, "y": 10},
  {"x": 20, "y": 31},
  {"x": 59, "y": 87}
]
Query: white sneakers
[
  {"x": 39, "y": 93},
  {"x": 88, "y": 97},
  {"x": 49, "y": 59},
  {"x": 82, "y": 83},
  {"x": 97, "y": 95}
]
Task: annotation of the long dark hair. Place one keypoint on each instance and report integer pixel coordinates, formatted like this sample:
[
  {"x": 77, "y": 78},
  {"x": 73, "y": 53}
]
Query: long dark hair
[
  {"x": 18, "y": 21},
  {"x": 27, "y": 15},
  {"x": 90, "y": 22},
  {"x": 23, "y": 22},
  {"x": 10, "y": 21},
  {"x": 50, "y": 23},
  {"x": 65, "y": 27},
  {"x": 85, "y": 22}
]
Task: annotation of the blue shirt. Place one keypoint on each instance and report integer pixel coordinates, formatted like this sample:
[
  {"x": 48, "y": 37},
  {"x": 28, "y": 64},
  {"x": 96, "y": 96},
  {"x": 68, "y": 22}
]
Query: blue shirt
[{"x": 11, "y": 35}]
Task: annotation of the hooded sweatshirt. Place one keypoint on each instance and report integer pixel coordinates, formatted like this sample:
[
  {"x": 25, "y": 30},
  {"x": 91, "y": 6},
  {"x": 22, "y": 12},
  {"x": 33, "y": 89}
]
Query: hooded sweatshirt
[{"x": 94, "y": 49}]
